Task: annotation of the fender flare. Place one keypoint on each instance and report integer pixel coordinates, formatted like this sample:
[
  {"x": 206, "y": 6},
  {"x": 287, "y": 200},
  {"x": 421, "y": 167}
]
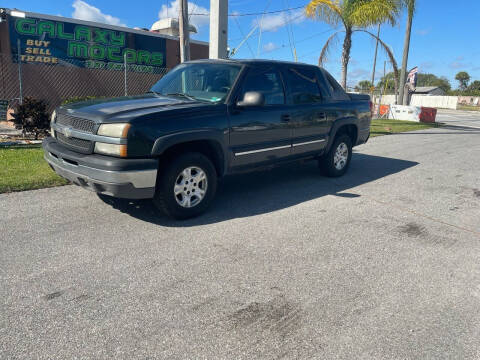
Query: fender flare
[
  {"x": 337, "y": 125},
  {"x": 165, "y": 142}
]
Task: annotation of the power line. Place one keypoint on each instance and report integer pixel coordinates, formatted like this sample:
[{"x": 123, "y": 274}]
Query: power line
[
  {"x": 299, "y": 41},
  {"x": 254, "y": 14},
  {"x": 260, "y": 27},
  {"x": 241, "y": 32},
  {"x": 250, "y": 35}
]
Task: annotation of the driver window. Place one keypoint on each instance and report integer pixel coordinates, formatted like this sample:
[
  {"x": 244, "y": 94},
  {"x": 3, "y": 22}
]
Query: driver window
[{"x": 267, "y": 82}]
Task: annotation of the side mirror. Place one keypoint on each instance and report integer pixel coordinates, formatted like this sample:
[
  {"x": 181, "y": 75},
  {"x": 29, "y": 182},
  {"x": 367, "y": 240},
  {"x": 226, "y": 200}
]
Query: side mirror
[{"x": 252, "y": 98}]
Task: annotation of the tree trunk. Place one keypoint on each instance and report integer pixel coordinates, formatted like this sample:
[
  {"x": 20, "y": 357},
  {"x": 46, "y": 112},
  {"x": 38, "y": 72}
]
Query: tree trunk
[
  {"x": 406, "y": 48},
  {"x": 347, "y": 46}
]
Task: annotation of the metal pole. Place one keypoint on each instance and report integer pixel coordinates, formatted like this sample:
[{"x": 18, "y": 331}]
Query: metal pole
[
  {"x": 184, "y": 31},
  {"x": 382, "y": 90},
  {"x": 20, "y": 71},
  {"x": 219, "y": 29},
  {"x": 375, "y": 58},
  {"x": 125, "y": 74}
]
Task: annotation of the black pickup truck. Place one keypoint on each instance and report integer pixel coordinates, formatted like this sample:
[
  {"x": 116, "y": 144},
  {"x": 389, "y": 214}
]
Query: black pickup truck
[{"x": 203, "y": 120}]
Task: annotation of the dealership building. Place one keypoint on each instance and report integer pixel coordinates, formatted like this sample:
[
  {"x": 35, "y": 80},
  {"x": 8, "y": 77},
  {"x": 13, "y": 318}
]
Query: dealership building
[{"x": 55, "y": 58}]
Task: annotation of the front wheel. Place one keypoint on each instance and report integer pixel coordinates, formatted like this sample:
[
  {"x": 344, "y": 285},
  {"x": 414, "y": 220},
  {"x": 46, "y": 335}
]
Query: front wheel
[
  {"x": 335, "y": 163},
  {"x": 186, "y": 186}
]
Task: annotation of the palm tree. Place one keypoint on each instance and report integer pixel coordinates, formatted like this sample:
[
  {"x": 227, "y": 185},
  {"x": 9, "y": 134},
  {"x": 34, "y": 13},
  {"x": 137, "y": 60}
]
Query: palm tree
[
  {"x": 410, "y": 5},
  {"x": 352, "y": 15}
]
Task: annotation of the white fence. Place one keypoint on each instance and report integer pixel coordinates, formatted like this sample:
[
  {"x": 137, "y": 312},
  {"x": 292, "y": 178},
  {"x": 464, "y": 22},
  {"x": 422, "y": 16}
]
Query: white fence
[{"x": 443, "y": 102}]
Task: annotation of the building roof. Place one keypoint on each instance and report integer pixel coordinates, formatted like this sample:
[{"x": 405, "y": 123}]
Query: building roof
[
  {"x": 426, "y": 89},
  {"x": 169, "y": 23}
]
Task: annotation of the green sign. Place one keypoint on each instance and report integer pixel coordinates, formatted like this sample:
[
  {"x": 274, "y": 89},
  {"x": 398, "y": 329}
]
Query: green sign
[{"x": 56, "y": 42}]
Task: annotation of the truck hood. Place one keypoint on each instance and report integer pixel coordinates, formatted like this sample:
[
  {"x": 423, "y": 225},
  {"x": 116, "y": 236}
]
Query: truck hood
[{"x": 127, "y": 108}]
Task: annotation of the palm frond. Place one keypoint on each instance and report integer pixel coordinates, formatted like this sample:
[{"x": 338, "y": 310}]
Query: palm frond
[
  {"x": 364, "y": 13},
  {"x": 388, "y": 51},
  {"x": 322, "y": 59},
  {"x": 410, "y": 5},
  {"x": 328, "y": 11}
]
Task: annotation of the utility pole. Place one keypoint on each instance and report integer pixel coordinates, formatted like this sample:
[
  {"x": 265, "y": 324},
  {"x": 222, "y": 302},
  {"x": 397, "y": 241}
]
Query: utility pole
[
  {"x": 406, "y": 49},
  {"x": 218, "y": 29},
  {"x": 375, "y": 58},
  {"x": 184, "y": 30}
]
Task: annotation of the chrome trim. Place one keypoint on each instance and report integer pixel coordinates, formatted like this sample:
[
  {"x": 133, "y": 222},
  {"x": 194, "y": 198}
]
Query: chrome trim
[
  {"x": 262, "y": 150},
  {"x": 87, "y": 136},
  {"x": 309, "y": 142},
  {"x": 138, "y": 178},
  {"x": 279, "y": 147}
]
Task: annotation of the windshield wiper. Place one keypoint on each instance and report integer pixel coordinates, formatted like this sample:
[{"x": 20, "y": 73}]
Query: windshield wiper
[{"x": 182, "y": 95}]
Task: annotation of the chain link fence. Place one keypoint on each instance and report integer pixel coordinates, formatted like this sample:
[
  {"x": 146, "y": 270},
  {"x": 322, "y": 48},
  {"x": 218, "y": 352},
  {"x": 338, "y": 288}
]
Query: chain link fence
[{"x": 68, "y": 79}]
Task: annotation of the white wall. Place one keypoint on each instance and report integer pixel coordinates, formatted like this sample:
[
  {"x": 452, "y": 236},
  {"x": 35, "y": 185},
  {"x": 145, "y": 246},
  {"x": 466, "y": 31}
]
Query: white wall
[
  {"x": 444, "y": 102},
  {"x": 386, "y": 99}
]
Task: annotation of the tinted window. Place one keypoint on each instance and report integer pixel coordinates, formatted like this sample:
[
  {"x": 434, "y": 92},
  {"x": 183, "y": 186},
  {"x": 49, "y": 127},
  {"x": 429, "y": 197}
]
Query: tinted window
[
  {"x": 266, "y": 81},
  {"x": 303, "y": 85},
  {"x": 335, "y": 88}
]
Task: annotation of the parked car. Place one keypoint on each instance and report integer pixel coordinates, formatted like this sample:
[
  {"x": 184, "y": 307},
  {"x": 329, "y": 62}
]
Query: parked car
[{"x": 203, "y": 120}]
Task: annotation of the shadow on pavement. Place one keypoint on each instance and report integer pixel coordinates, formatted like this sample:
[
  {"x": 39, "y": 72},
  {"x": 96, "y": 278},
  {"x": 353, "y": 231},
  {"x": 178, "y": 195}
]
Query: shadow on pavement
[{"x": 270, "y": 190}]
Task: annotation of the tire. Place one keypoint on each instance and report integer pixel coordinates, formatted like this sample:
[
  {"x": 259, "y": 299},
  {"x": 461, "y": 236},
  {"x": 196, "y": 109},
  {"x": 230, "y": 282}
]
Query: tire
[
  {"x": 178, "y": 193},
  {"x": 335, "y": 163}
]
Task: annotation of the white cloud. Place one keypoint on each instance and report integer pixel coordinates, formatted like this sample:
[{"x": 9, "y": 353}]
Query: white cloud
[
  {"x": 359, "y": 74},
  {"x": 269, "y": 47},
  {"x": 84, "y": 11},
  {"x": 277, "y": 21},
  {"x": 427, "y": 65},
  {"x": 423, "y": 32},
  {"x": 196, "y": 20}
]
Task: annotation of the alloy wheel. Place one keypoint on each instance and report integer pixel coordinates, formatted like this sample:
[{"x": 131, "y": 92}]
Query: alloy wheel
[
  {"x": 190, "y": 187},
  {"x": 340, "y": 157}
]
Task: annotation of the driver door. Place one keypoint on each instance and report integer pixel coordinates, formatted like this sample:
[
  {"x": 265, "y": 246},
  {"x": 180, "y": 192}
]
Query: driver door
[{"x": 260, "y": 134}]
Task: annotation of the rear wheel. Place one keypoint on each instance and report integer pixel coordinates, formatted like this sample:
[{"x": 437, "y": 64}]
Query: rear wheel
[
  {"x": 336, "y": 162},
  {"x": 186, "y": 186}
]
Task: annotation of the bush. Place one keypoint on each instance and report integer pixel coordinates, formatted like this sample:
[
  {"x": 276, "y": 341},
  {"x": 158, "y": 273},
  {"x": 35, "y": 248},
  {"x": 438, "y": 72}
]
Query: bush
[{"x": 32, "y": 117}]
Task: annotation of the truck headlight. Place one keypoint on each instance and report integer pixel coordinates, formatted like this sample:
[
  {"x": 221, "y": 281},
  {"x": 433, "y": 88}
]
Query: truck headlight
[
  {"x": 114, "y": 130},
  {"x": 111, "y": 149},
  {"x": 53, "y": 118}
]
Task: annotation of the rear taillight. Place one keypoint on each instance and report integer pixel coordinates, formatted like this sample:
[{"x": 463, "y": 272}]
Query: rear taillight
[{"x": 372, "y": 108}]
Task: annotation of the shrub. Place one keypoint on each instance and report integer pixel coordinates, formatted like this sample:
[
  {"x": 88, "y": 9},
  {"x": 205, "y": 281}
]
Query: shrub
[{"x": 32, "y": 117}]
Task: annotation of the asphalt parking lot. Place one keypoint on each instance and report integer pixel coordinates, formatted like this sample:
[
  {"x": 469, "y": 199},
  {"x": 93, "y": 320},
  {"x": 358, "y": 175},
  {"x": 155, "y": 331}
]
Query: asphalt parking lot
[{"x": 380, "y": 264}]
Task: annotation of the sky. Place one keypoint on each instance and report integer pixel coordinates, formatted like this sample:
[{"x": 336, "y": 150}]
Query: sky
[{"x": 445, "y": 37}]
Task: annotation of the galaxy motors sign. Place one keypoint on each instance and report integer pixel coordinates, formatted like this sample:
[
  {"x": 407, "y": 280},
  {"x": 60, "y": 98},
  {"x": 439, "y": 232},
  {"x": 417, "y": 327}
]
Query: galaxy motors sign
[{"x": 64, "y": 43}]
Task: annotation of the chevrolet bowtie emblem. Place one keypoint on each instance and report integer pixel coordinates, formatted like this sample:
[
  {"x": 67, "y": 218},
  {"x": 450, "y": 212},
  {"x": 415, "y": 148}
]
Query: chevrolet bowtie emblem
[{"x": 67, "y": 132}]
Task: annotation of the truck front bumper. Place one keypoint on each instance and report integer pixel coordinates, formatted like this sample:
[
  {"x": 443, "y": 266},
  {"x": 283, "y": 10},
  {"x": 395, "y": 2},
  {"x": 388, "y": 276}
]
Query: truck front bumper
[{"x": 123, "y": 178}]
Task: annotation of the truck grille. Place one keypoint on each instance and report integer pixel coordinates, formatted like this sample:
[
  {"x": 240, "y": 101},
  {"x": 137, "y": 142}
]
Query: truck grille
[
  {"x": 76, "y": 123},
  {"x": 80, "y": 145}
]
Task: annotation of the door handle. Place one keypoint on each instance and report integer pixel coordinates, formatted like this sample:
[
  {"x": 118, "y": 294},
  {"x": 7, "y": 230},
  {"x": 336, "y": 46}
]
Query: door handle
[
  {"x": 322, "y": 116},
  {"x": 286, "y": 117}
]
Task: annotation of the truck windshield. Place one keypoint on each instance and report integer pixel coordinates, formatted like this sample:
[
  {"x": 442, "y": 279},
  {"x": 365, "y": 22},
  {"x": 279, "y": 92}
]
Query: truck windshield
[{"x": 198, "y": 81}]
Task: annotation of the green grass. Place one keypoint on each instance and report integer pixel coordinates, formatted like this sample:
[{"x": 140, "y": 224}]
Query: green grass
[
  {"x": 23, "y": 168},
  {"x": 468, "y": 107},
  {"x": 385, "y": 126}
]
